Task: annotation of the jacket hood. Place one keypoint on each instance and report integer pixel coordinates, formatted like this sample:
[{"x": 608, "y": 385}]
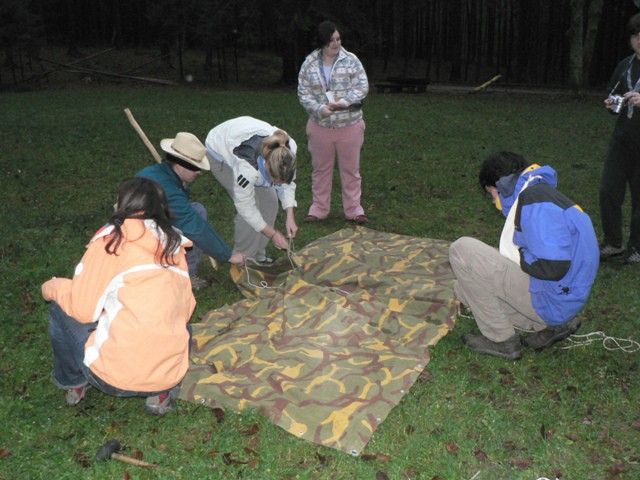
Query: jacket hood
[{"x": 509, "y": 187}]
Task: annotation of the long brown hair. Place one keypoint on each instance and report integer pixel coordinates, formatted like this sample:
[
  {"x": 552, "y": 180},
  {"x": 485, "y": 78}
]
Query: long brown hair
[{"x": 142, "y": 198}]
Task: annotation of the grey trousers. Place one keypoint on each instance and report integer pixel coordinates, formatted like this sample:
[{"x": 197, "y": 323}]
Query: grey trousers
[
  {"x": 494, "y": 288},
  {"x": 246, "y": 240}
]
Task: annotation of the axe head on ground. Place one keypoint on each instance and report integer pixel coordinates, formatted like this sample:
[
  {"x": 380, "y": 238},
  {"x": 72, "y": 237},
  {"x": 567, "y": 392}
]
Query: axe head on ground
[{"x": 110, "y": 450}]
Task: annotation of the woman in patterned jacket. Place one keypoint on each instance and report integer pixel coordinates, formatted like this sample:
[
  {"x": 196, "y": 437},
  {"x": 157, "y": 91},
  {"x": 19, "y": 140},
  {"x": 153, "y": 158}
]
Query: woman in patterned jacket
[{"x": 332, "y": 85}]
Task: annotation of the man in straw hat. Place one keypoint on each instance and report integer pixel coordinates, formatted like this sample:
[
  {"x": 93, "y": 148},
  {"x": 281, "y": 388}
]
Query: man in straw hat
[{"x": 185, "y": 159}]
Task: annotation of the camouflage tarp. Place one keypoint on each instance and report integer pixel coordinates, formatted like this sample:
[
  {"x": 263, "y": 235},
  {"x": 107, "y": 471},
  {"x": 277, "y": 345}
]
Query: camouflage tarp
[{"x": 327, "y": 349}]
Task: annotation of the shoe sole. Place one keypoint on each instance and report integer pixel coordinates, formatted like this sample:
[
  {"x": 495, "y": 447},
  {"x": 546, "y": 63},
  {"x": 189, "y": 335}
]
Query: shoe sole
[
  {"x": 506, "y": 356},
  {"x": 517, "y": 355}
]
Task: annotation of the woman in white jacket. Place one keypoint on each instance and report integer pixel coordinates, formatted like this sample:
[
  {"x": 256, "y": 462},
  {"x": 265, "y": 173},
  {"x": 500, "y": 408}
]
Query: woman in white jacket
[{"x": 256, "y": 163}]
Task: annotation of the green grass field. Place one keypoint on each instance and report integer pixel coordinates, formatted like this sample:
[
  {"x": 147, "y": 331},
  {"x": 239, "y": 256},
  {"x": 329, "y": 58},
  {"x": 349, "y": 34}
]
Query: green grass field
[{"x": 566, "y": 413}]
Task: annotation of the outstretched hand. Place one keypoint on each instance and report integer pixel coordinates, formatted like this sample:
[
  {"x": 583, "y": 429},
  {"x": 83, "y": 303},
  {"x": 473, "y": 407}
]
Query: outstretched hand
[
  {"x": 292, "y": 228},
  {"x": 280, "y": 241},
  {"x": 237, "y": 259}
]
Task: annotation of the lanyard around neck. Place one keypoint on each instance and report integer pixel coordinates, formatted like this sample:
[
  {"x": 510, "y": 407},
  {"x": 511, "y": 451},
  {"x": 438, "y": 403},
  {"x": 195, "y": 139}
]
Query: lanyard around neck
[
  {"x": 325, "y": 72},
  {"x": 635, "y": 88}
]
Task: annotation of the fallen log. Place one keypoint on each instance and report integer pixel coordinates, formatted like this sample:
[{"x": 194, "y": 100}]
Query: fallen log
[{"x": 76, "y": 69}]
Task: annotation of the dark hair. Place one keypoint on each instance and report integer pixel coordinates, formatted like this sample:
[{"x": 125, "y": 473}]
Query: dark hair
[
  {"x": 325, "y": 31},
  {"x": 498, "y": 165},
  {"x": 142, "y": 198},
  {"x": 281, "y": 161},
  {"x": 633, "y": 26},
  {"x": 173, "y": 160}
]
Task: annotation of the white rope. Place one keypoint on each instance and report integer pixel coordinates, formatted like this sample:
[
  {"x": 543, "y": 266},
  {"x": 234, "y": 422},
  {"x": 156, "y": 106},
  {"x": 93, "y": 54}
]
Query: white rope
[
  {"x": 290, "y": 253},
  {"x": 609, "y": 343},
  {"x": 263, "y": 284}
]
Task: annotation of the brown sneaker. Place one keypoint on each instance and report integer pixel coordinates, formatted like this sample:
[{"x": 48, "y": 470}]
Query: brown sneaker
[
  {"x": 360, "y": 219},
  {"x": 511, "y": 348}
]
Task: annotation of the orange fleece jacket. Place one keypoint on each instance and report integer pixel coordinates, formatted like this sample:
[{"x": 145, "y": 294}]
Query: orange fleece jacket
[{"x": 141, "y": 342}]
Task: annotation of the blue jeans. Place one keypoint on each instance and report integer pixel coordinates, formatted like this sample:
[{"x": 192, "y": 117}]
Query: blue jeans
[
  {"x": 194, "y": 254},
  {"x": 68, "y": 338}
]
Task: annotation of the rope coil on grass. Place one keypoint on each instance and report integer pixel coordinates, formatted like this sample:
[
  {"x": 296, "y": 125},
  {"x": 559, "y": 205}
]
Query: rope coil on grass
[{"x": 609, "y": 343}]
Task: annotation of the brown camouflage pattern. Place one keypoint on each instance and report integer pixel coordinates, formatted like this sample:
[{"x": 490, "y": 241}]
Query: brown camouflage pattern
[{"x": 327, "y": 349}]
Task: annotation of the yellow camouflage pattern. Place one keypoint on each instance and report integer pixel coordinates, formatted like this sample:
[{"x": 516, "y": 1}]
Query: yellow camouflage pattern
[{"x": 326, "y": 349}]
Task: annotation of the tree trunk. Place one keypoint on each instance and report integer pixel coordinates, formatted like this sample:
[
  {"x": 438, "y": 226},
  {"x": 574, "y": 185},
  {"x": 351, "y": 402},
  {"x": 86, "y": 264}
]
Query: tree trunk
[
  {"x": 593, "y": 21},
  {"x": 582, "y": 39},
  {"x": 576, "y": 45},
  {"x": 455, "y": 45}
]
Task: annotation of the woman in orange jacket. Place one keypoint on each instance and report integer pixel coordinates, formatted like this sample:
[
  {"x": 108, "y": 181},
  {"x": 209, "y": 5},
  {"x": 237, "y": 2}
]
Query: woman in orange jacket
[{"x": 121, "y": 323}]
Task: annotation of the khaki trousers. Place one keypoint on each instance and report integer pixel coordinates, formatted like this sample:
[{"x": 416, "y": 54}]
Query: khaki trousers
[
  {"x": 494, "y": 288},
  {"x": 246, "y": 240}
]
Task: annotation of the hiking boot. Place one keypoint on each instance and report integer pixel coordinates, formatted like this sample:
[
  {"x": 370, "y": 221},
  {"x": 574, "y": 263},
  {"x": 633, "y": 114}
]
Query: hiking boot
[
  {"x": 632, "y": 256},
  {"x": 75, "y": 395},
  {"x": 550, "y": 335},
  {"x": 608, "y": 251},
  {"x": 511, "y": 348},
  {"x": 197, "y": 283},
  {"x": 160, "y": 405}
]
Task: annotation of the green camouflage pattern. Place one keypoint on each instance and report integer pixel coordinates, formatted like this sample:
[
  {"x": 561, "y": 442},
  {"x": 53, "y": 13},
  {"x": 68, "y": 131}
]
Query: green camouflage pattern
[{"x": 326, "y": 349}]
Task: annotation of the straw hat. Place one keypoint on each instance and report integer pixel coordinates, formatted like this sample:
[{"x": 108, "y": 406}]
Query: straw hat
[{"x": 187, "y": 147}]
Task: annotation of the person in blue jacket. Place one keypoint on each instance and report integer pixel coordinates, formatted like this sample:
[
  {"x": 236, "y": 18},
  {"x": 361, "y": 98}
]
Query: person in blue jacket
[
  {"x": 540, "y": 277},
  {"x": 185, "y": 158}
]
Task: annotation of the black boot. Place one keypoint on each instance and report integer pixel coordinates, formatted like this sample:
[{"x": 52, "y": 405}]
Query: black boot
[
  {"x": 550, "y": 335},
  {"x": 511, "y": 348}
]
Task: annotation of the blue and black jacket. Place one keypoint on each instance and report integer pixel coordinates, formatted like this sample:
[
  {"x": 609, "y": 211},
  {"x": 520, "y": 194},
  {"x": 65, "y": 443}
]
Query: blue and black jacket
[{"x": 556, "y": 240}]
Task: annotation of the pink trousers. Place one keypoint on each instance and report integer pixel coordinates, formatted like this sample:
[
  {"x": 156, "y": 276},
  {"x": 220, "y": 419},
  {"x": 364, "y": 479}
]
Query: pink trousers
[{"x": 325, "y": 144}]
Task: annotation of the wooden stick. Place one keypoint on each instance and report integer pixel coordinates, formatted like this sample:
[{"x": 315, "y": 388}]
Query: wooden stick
[
  {"x": 486, "y": 84},
  {"x": 44, "y": 74},
  {"x": 132, "y": 461},
  {"x": 142, "y": 135},
  {"x": 78, "y": 69}
]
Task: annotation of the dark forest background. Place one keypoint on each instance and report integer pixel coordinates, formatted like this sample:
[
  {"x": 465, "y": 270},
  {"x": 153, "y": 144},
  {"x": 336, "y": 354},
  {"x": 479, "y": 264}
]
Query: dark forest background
[{"x": 571, "y": 43}]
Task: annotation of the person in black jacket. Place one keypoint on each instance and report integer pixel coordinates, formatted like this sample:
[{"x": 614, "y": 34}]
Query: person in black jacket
[{"x": 622, "y": 163}]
